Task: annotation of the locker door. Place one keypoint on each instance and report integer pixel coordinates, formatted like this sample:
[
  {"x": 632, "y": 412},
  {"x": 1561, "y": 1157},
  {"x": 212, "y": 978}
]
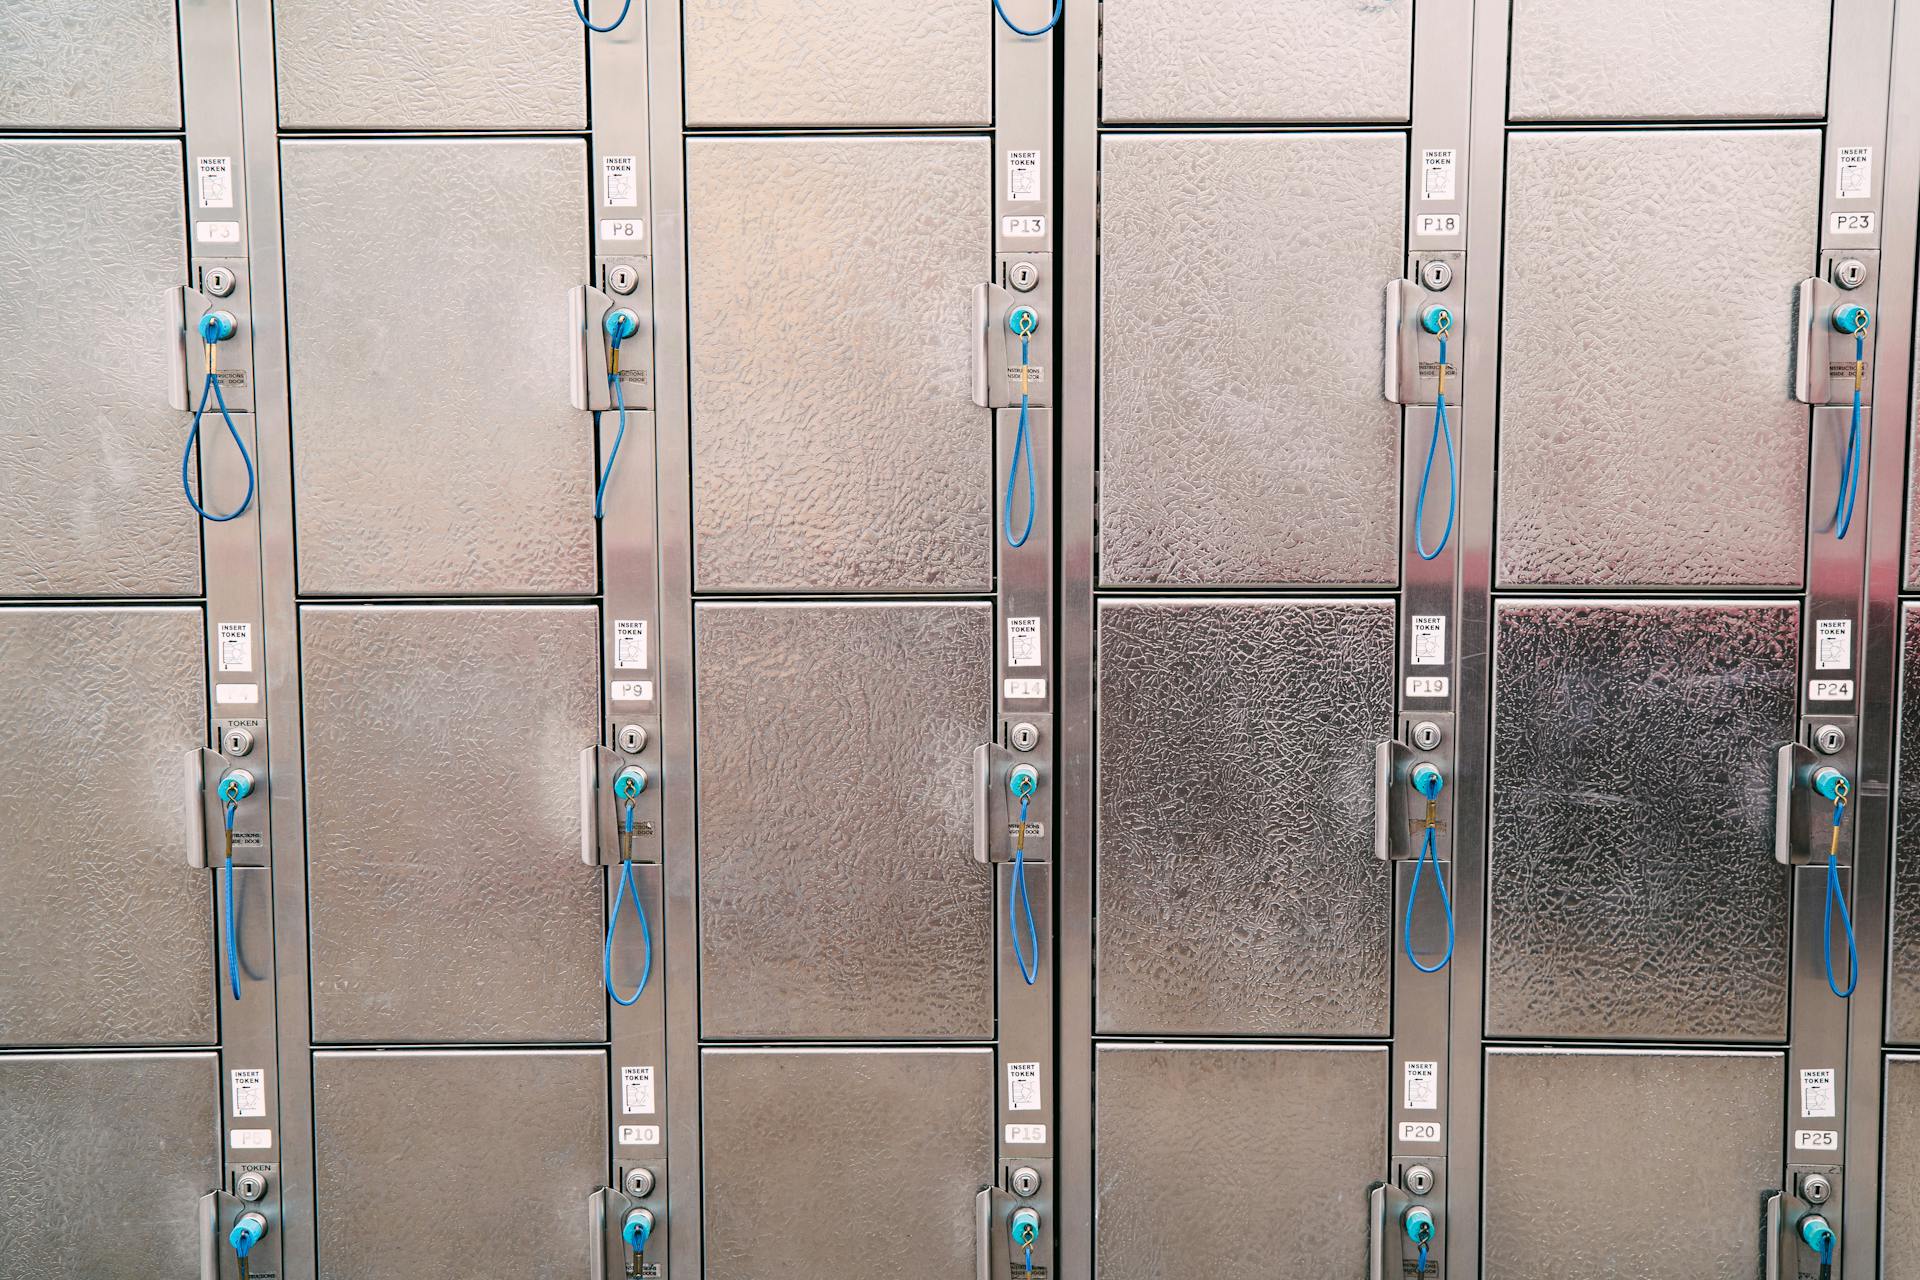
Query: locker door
[
  {"x": 1900, "y": 1206},
  {"x": 855, "y": 1164},
  {"x": 56, "y": 53},
  {"x": 1903, "y": 967}
]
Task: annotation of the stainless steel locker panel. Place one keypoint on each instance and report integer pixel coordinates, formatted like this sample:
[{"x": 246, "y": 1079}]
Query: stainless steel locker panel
[
  {"x": 430, "y": 64},
  {"x": 845, "y": 1164},
  {"x": 91, "y": 237},
  {"x": 1614, "y": 1162},
  {"x": 107, "y": 1156},
  {"x": 106, "y": 934},
  {"x": 1224, "y": 1160},
  {"x": 1648, "y": 433},
  {"x": 450, "y": 1165},
  {"x": 1900, "y": 1207},
  {"x": 1656, "y": 60},
  {"x": 106, "y": 64},
  {"x": 835, "y": 444},
  {"x": 1633, "y": 891},
  {"x": 804, "y": 63},
  {"x": 1226, "y": 61},
  {"x": 838, "y": 892},
  {"x": 1903, "y": 968},
  {"x": 434, "y": 449},
  {"x": 446, "y": 896},
  {"x": 1237, "y": 891},
  {"x": 1243, "y": 436}
]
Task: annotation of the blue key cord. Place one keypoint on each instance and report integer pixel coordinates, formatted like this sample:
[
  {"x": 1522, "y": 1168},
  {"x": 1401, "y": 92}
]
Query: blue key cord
[
  {"x": 627, "y": 886},
  {"x": 1017, "y": 893}
]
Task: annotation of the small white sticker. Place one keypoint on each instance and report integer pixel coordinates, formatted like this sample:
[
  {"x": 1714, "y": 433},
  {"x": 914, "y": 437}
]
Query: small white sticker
[
  {"x": 1426, "y": 686},
  {"x": 620, "y": 176},
  {"x": 249, "y": 1092},
  {"x": 630, "y": 644},
  {"x": 250, "y": 1139},
  {"x": 1422, "y": 1091},
  {"x": 236, "y": 646},
  {"x": 1437, "y": 224},
  {"x": 1023, "y": 224},
  {"x": 1833, "y": 644},
  {"x": 636, "y": 1091},
  {"x": 1419, "y": 1131},
  {"x": 1023, "y": 642},
  {"x": 1023, "y": 688},
  {"x": 1429, "y": 643},
  {"x": 1816, "y": 1139},
  {"x": 216, "y": 181},
  {"x": 639, "y": 1135},
  {"x": 1816, "y": 1093},
  {"x": 1023, "y": 175},
  {"x": 1829, "y": 691},
  {"x": 217, "y": 232},
  {"x": 1436, "y": 174},
  {"x": 1853, "y": 224},
  {"x": 1026, "y": 1135},
  {"x": 1853, "y": 176},
  {"x": 630, "y": 691},
  {"x": 240, "y": 694},
  {"x": 622, "y": 229},
  {"x": 1023, "y": 1086}
]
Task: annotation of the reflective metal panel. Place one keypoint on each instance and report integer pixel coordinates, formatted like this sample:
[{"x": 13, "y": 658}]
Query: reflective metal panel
[
  {"x": 91, "y": 238},
  {"x": 838, "y": 891},
  {"x": 106, "y": 934},
  {"x": 106, "y": 64},
  {"x": 1633, "y": 888},
  {"x": 448, "y": 901},
  {"x": 857, "y": 1164},
  {"x": 1243, "y": 435},
  {"x": 835, "y": 443},
  {"x": 800, "y": 62},
  {"x": 1900, "y": 1216},
  {"x": 1903, "y": 969},
  {"x": 430, "y": 64},
  {"x": 434, "y": 448},
  {"x": 106, "y": 1158},
  {"x": 1650, "y": 279},
  {"x": 1217, "y": 1160},
  {"x": 444, "y": 1166},
  {"x": 1615, "y": 1163},
  {"x": 1254, "y": 60},
  {"x": 1655, "y": 60},
  {"x": 1237, "y": 890}
]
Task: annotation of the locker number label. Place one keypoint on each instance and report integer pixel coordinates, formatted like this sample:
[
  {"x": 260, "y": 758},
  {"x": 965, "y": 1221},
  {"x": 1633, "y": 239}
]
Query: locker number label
[
  {"x": 1429, "y": 640},
  {"x": 1022, "y": 225},
  {"x": 242, "y": 695},
  {"x": 636, "y": 1091},
  {"x": 1023, "y": 690},
  {"x": 615, "y": 229},
  {"x": 620, "y": 176},
  {"x": 1023, "y": 175},
  {"x": 1853, "y": 176},
  {"x": 1437, "y": 224},
  {"x": 1419, "y": 1131},
  {"x": 215, "y": 174},
  {"x": 236, "y": 646},
  {"x": 1422, "y": 1092},
  {"x": 249, "y": 1089},
  {"x": 1829, "y": 691},
  {"x": 1436, "y": 174},
  {"x": 216, "y": 232},
  {"x": 1426, "y": 686},
  {"x": 250, "y": 1139},
  {"x": 1816, "y": 1094},
  {"x": 1853, "y": 224},
  {"x": 630, "y": 691},
  {"x": 630, "y": 644},
  {"x": 1023, "y": 1086},
  {"x": 1023, "y": 642},
  {"x": 1816, "y": 1139},
  {"x": 639, "y": 1135},
  {"x": 1833, "y": 644},
  {"x": 1026, "y": 1135}
]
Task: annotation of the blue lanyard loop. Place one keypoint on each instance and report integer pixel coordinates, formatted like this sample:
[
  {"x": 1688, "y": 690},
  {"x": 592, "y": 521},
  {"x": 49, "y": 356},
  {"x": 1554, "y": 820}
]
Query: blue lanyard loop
[
  {"x": 1427, "y": 781},
  {"x": 1022, "y": 444},
  {"x": 1850, "y": 469},
  {"x": 1059, "y": 7},
  {"x": 1442, "y": 430},
  {"x": 233, "y": 944},
  {"x": 1836, "y": 893},
  {"x": 615, "y": 332},
  {"x": 588, "y": 23},
  {"x": 212, "y": 388},
  {"x": 627, "y": 886},
  {"x": 1017, "y": 894}
]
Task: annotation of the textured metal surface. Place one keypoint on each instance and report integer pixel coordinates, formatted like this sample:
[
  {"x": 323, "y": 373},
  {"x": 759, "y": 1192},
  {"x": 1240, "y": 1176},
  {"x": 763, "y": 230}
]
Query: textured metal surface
[
  {"x": 1900, "y": 1220},
  {"x": 1254, "y": 60},
  {"x": 1212, "y": 1160},
  {"x": 443, "y": 1166},
  {"x": 1243, "y": 435},
  {"x": 106, "y": 934},
  {"x": 835, "y": 446},
  {"x": 1655, "y": 60},
  {"x": 434, "y": 448},
  {"x": 1634, "y": 892},
  {"x": 908, "y": 1133},
  {"x": 1651, "y": 1165},
  {"x": 1237, "y": 887},
  {"x": 801, "y": 62},
  {"x": 1903, "y": 967},
  {"x": 91, "y": 238},
  {"x": 107, "y": 64},
  {"x": 442, "y": 749},
  {"x": 430, "y": 64},
  {"x": 105, "y": 1160},
  {"x": 838, "y": 891},
  {"x": 1648, "y": 331}
]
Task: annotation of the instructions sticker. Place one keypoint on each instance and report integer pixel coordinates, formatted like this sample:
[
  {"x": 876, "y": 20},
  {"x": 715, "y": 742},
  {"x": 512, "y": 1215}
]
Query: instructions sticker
[
  {"x": 1833, "y": 644},
  {"x": 630, "y": 644},
  {"x": 636, "y": 1091},
  {"x": 1436, "y": 174},
  {"x": 1023, "y": 175},
  {"x": 639, "y": 1135},
  {"x": 250, "y": 1139},
  {"x": 1023, "y": 642},
  {"x": 1422, "y": 1092},
  {"x": 249, "y": 1089},
  {"x": 1023, "y": 1086},
  {"x": 1816, "y": 1093},
  {"x": 620, "y": 178},
  {"x": 215, "y": 174},
  {"x": 236, "y": 646},
  {"x": 1429, "y": 640},
  {"x": 1853, "y": 176},
  {"x": 1026, "y": 1135}
]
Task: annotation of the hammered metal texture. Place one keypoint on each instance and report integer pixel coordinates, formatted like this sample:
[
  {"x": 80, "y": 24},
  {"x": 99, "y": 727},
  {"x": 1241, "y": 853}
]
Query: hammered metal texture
[
  {"x": 1903, "y": 967},
  {"x": 447, "y": 1166},
  {"x": 106, "y": 934},
  {"x": 838, "y": 892},
  {"x": 447, "y": 898},
  {"x": 106, "y": 64},
  {"x": 431, "y": 64},
  {"x": 1238, "y": 891},
  {"x": 801, "y": 62},
  {"x": 1217, "y": 1160},
  {"x": 1656, "y": 60},
  {"x": 91, "y": 239},
  {"x": 1900, "y": 1216},
  {"x": 105, "y": 1160},
  {"x": 835, "y": 443},
  {"x": 434, "y": 447},
  {"x": 906, "y": 1134},
  {"x": 1612, "y": 1163},
  {"x": 1634, "y": 893},
  {"x": 1243, "y": 435},
  {"x": 1255, "y": 61},
  {"x": 1650, "y": 280}
]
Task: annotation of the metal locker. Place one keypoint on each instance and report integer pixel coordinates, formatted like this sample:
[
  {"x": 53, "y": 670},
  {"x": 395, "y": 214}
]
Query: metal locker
[
  {"x": 1625, "y": 1163},
  {"x": 430, "y": 64},
  {"x": 106, "y": 934},
  {"x": 1900, "y": 1204},
  {"x": 447, "y": 899},
  {"x": 1237, "y": 891},
  {"x": 839, "y": 896},
  {"x": 1648, "y": 431},
  {"x": 1235, "y": 1160},
  {"x": 434, "y": 448},
  {"x": 800, "y": 63},
  {"x": 1243, "y": 435},
  {"x": 450, "y": 1165},
  {"x": 1253, "y": 61},
  {"x": 845, "y": 1164},
  {"x": 91, "y": 239},
  {"x": 1903, "y": 959},
  {"x": 107, "y": 1156},
  {"x": 835, "y": 447},
  {"x": 57, "y": 78},
  {"x": 1633, "y": 890}
]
